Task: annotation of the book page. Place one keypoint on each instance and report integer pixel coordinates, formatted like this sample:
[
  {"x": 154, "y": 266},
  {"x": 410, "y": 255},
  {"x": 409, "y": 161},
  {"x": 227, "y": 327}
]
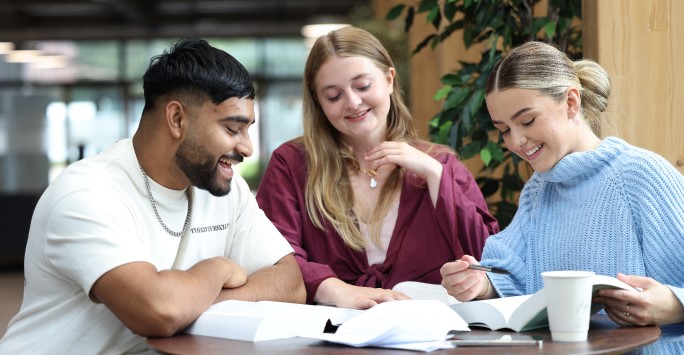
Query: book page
[
  {"x": 531, "y": 314},
  {"x": 396, "y": 323},
  {"x": 425, "y": 291},
  {"x": 493, "y": 313},
  {"x": 265, "y": 320},
  {"x": 602, "y": 281}
]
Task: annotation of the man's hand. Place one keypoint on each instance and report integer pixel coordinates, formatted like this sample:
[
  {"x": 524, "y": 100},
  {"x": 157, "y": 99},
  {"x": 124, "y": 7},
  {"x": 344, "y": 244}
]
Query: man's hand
[{"x": 238, "y": 276}]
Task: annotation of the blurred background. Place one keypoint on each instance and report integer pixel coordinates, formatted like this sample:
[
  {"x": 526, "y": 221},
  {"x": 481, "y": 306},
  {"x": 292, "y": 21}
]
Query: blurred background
[{"x": 71, "y": 79}]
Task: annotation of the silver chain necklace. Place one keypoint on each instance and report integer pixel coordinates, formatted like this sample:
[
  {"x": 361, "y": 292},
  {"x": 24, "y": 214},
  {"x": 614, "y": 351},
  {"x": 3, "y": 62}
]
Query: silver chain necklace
[{"x": 156, "y": 213}]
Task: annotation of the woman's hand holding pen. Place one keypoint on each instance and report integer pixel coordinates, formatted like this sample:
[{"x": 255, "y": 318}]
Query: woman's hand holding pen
[{"x": 465, "y": 283}]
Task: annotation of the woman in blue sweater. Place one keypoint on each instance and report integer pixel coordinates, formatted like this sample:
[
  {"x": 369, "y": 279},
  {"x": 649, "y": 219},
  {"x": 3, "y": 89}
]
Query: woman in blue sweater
[{"x": 592, "y": 204}]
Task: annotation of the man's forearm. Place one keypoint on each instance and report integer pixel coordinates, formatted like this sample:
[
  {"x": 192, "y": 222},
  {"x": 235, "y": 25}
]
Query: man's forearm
[
  {"x": 281, "y": 282},
  {"x": 160, "y": 303}
]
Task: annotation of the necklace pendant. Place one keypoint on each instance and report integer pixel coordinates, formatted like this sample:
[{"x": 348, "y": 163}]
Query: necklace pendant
[{"x": 373, "y": 183}]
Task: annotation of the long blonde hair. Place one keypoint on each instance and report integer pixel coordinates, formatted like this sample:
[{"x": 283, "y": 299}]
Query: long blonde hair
[
  {"x": 329, "y": 196},
  {"x": 542, "y": 67}
]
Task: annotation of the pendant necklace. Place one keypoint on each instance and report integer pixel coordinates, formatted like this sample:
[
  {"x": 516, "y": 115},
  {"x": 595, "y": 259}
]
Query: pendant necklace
[
  {"x": 156, "y": 213},
  {"x": 371, "y": 174}
]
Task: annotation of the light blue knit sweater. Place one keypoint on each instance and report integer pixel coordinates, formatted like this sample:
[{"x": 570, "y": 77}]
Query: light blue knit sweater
[{"x": 615, "y": 209}]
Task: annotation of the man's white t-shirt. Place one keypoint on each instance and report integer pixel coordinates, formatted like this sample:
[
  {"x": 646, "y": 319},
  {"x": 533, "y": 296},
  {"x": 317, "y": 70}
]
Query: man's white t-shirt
[{"x": 96, "y": 216}]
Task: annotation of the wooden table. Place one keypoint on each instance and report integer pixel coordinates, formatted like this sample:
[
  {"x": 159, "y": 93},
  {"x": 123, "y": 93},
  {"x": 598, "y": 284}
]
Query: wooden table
[{"x": 605, "y": 337}]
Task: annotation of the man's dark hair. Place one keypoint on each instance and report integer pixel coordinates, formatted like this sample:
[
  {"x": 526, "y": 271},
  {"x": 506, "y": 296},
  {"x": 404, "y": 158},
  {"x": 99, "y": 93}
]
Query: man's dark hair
[{"x": 196, "y": 71}]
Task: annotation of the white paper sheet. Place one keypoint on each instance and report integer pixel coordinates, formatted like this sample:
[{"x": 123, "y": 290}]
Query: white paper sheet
[{"x": 409, "y": 324}]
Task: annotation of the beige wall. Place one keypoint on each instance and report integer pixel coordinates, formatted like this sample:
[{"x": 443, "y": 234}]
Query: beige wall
[{"x": 641, "y": 45}]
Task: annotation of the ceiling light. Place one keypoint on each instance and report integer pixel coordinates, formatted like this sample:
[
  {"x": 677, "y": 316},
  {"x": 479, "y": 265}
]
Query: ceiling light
[
  {"x": 6, "y": 47},
  {"x": 22, "y": 56},
  {"x": 50, "y": 62},
  {"x": 320, "y": 29}
]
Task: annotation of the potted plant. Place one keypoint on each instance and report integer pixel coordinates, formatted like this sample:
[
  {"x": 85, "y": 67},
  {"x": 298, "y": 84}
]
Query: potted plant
[{"x": 463, "y": 121}]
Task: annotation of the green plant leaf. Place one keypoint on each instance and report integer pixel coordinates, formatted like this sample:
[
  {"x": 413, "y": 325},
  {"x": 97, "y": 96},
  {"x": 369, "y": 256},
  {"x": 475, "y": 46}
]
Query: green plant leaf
[
  {"x": 538, "y": 23},
  {"x": 434, "y": 42},
  {"x": 451, "y": 79},
  {"x": 456, "y": 25},
  {"x": 488, "y": 186},
  {"x": 467, "y": 118},
  {"x": 479, "y": 135},
  {"x": 427, "y": 5},
  {"x": 450, "y": 10},
  {"x": 550, "y": 29},
  {"x": 513, "y": 181},
  {"x": 409, "y": 18},
  {"x": 444, "y": 132},
  {"x": 395, "y": 12},
  {"x": 468, "y": 35},
  {"x": 504, "y": 212},
  {"x": 486, "y": 156},
  {"x": 455, "y": 135},
  {"x": 469, "y": 150},
  {"x": 434, "y": 123},
  {"x": 424, "y": 42},
  {"x": 476, "y": 100},
  {"x": 435, "y": 17},
  {"x": 442, "y": 92},
  {"x": 455, "y": 98},
  {"x": 496, "y": 151}
]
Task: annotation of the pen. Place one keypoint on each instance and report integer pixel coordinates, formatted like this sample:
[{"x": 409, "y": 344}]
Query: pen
[{"x": 495, "y": 270}]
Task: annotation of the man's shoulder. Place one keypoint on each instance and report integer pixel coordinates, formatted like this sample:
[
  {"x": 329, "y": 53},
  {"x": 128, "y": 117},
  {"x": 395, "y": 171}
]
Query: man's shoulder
[
  {"x": 101, "y": 174},
  {"x": 94, "y": 169}
]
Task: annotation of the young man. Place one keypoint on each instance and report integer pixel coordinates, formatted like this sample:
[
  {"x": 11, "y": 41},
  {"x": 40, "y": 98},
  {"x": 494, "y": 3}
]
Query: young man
[{"x": 140, "y": 239}]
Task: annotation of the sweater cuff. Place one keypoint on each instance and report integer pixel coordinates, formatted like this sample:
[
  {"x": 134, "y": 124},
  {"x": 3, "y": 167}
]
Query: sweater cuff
[
  {"x": 678, "y": 292},
  {"x": 503, "y": 285}
]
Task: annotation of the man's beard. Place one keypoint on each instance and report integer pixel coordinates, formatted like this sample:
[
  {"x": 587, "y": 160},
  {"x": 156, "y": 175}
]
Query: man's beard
[{"x": 203, "y": 174}]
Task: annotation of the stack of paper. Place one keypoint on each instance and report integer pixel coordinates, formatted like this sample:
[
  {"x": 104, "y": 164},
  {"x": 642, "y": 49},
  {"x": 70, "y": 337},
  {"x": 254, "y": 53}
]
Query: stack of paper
[
  {"x": 266, "y": 320},
  {"x": 411, "y": 324}
]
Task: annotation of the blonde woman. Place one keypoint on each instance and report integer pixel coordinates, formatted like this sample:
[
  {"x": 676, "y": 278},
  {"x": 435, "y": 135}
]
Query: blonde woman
[
  {"x": 593, "y": 203},
  {"x": 363, "y": 201}
]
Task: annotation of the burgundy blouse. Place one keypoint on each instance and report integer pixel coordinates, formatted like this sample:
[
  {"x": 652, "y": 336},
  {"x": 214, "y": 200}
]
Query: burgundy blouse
[{"x": 424, "y": 237}]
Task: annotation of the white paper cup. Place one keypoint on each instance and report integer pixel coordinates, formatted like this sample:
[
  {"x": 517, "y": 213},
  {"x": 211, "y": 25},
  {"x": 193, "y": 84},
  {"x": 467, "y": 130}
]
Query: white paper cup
[{"x": 568, "y": 302}]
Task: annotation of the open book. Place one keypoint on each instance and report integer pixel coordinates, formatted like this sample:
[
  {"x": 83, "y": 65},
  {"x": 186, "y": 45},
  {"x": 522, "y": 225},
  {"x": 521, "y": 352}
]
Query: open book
[
  {"x": 518, "y": 313},
  {"x": 414, "y": 325},
  {"x": 266, "y": 320}
]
